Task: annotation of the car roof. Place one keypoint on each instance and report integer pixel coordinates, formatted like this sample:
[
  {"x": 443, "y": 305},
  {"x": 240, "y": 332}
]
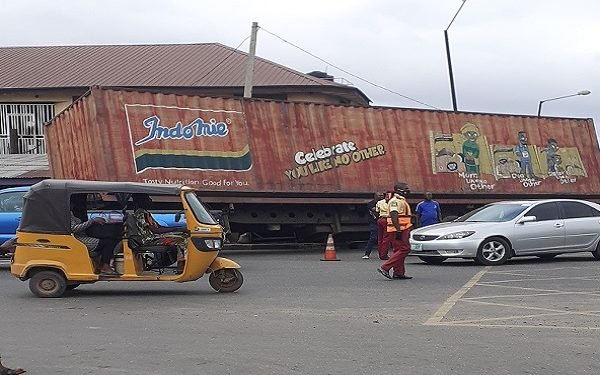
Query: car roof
[{"x": 536, "y": 201}]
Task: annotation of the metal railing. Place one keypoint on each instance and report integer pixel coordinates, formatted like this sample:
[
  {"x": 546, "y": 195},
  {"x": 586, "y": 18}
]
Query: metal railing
[{"x": 26, "y": 122}]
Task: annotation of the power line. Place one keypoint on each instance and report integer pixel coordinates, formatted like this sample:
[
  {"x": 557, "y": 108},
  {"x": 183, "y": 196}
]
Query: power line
[
  {"x": 222, "y": 61},
  {"x": 347, "y": 72}
]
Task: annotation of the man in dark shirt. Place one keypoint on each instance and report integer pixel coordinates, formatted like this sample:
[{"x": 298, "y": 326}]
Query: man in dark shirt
[
  {"x": 428, "y": 211},
  {"x": 372, "y": 217}
]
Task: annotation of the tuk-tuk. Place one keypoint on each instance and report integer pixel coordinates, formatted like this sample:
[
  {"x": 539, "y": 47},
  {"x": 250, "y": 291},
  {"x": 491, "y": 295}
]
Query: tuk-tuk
[{"x": 54, "y": 261}]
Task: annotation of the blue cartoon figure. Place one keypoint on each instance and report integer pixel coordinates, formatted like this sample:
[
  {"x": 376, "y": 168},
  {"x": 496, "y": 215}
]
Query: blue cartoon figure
[{"x": 524, "y": 155}]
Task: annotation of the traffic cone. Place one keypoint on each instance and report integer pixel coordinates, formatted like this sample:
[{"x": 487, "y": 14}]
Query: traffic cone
[{"x": 330, "y": 249}]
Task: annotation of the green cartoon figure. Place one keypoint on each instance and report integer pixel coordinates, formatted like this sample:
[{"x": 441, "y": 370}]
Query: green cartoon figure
[{"x": 470, "y": 148}]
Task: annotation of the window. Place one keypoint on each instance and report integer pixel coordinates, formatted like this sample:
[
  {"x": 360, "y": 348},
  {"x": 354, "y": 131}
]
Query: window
[
  {"x": 544, "y": 211},
  {"x": 12, "y": 202},
  {"x": 494, "y": 213},
  {"x": 200, "y": 212},
  {"x": 573, "y": 210},
  {"x": 27, "y": 121}
]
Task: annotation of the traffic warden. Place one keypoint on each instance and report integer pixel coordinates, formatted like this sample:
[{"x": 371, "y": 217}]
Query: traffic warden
[
  {"x": 398, "y": 226},
  {"x": 383, "y": 240}
]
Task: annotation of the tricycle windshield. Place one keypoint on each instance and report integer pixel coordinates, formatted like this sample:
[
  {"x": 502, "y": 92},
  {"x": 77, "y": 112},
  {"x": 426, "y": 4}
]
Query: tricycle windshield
[{"x": 200, "y": 212}]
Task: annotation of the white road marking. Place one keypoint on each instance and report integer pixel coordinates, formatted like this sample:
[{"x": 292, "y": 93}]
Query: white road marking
[
  {"x": 533, "y": 289},
  {"x": 541, "y": 279},
  {"x": 523, "y": 295},
  {"x": 541, "y": 269},
  {"x": 573, "y": 312},
  {"x": 450, "y": 302},
  {"x": 449, "y": 324},
  {"x": 505, "y": 318}
]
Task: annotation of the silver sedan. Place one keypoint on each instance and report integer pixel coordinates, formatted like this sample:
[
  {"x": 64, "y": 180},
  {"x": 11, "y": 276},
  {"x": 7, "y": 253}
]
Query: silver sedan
[{"x": 495, "y": 232}]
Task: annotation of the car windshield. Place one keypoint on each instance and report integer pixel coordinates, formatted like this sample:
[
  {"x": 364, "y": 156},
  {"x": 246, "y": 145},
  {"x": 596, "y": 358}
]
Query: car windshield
[
  {"x": 200, "y": 212},
  {"x": 494, "y": 213}
]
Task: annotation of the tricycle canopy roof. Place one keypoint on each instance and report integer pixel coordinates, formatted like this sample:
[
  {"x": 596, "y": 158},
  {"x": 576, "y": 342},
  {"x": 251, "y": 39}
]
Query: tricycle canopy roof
[{"x": 47, "y": 204}]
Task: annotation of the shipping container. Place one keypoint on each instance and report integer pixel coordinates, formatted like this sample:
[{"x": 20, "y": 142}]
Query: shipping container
[{"x": 302, "y": 169}]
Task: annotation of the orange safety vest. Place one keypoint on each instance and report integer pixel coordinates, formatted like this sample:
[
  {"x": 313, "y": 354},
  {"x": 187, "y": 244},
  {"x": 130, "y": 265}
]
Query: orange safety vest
[{"x": 404, "y": 214}]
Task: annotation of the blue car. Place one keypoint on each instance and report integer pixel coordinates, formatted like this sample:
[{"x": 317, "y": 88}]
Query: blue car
[{"x": 11, "y": 207}]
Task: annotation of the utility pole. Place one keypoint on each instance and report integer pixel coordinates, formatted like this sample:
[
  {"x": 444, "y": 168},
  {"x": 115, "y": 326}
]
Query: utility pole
[
  {"x": 452, "y": 89},
  {"x": 250, "y": 62}
]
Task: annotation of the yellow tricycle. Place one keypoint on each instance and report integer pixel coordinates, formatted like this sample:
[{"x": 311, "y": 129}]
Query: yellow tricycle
[{"x": 69, "y": 229}]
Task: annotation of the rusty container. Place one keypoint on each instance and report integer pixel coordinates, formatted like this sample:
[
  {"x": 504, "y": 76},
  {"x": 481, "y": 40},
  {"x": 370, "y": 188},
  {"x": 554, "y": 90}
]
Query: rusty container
[{"x": 302, "y": 149}]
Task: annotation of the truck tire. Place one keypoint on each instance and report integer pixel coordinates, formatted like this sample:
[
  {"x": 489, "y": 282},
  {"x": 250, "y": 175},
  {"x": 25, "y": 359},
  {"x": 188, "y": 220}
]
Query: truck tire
[
  {"x": 433, "y": 260},
  {"x": 48, "y": 284},
  {"x": 493, "y": 251}
]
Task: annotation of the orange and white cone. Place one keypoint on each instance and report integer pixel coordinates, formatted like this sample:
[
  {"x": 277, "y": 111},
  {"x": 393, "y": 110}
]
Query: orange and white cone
[{"x": 330, "y": 253}]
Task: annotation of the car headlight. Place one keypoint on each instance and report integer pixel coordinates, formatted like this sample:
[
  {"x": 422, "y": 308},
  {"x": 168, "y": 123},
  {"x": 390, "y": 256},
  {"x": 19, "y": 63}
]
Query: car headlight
[
  {"x": 212, "y": 243},
  {"x": 457, "y": 235}
]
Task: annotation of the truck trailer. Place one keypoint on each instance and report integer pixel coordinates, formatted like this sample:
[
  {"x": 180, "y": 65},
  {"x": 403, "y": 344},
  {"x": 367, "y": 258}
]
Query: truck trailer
[{"x": 283, "y": 171}]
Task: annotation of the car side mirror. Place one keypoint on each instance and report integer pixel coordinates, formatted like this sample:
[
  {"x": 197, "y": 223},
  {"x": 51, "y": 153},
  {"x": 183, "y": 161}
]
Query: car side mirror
[
  {"x": 178, "y": 217},
  {"x": 527, "y": 219}
]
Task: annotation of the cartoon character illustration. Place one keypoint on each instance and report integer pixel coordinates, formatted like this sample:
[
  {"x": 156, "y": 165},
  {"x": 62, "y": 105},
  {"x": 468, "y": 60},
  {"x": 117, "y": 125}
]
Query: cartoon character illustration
[
  {"x": 470, "y": 148},
  {"x": 524, "y": 155},
  {"x": 506, "y": 167},
  {"x": 557, "y": 163},
  {"x": 551, "y": 150}
]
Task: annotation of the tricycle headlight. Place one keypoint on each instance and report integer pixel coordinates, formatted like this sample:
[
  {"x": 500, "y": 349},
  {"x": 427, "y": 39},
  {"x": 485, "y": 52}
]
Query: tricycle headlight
[
  {"x": 457, "y": 235},
  {"x": 213, "y": 243}
]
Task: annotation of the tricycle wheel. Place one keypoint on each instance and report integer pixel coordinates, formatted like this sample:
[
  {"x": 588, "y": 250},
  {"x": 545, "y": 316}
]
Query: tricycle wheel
[
  {"x": 226, "y": 280},
  {"x": 48, "y": 284}
]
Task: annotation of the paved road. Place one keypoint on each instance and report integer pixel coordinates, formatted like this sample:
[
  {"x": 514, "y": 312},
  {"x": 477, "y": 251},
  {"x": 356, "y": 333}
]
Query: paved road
[{"x": 297, "y": 315}]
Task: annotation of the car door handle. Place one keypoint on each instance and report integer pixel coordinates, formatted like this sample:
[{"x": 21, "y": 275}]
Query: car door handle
[
  {"x": 43, "y": 240},
  {"x": 558, "y": 225}
]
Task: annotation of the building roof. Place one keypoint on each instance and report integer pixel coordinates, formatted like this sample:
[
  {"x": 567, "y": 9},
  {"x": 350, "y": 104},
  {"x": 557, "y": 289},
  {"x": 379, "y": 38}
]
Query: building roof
[
  {"x": 24, "y": 166},
  {"x": 180, "y": 65}
]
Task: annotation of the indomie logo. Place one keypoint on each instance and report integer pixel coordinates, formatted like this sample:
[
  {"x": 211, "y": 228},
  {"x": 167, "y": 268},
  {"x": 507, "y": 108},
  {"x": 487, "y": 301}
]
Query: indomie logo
[{"x": 196, "y": 128}]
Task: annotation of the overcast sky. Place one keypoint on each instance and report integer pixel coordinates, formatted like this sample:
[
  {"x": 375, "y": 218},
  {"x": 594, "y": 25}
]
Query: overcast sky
[{"x": 507, "y": 55}]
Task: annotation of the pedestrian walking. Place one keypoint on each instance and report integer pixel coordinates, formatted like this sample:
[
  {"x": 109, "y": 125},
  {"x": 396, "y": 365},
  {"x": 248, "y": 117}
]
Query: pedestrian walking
[
  {"x": 383, "y": 240},
  {"x": 428, "y": 211},
  {"x": 399, "y": 224},
  {"x": 372, "y": 217}
]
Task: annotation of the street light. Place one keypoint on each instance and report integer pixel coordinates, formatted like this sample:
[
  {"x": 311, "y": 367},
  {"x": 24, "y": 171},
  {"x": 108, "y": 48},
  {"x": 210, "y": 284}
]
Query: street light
[
  {"x": 582, "y": 92},
  {"x": 448, "y": 57}
]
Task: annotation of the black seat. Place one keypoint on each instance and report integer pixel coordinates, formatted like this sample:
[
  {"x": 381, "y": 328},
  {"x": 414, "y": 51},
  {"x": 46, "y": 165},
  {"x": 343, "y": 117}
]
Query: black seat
[{"x": 162, "y": 256}]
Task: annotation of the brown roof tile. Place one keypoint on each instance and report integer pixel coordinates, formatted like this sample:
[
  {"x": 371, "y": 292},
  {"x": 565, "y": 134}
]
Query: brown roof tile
[{"x": 181, "y": 65}]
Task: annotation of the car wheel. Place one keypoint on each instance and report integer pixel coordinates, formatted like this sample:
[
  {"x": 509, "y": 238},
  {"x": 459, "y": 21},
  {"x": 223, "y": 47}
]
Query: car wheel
[
  {"x": 48, "y": 284},
  {"x": 596, "y": 253},
  {"x": 546, "y": 256},
  {"x": 493, "y": 252},
  {"x": 433, "y": 260}
]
